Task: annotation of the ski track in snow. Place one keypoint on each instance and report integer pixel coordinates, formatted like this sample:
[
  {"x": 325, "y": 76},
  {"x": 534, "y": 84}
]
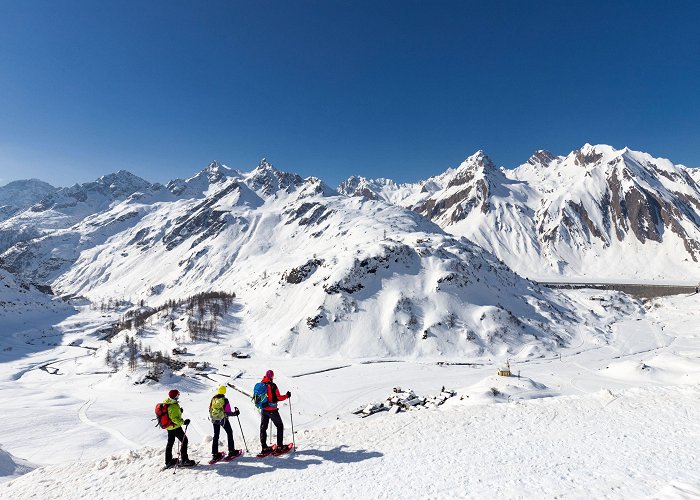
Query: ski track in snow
[{"x": 82, "y": 414}]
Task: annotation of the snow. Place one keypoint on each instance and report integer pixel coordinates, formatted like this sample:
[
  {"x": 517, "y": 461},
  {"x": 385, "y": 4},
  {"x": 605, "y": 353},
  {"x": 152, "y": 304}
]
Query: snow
[
  {"x": 12, "y": 467},
  {"x": 20, "y": 195},
  {"x": 346, "y": 298},
  {"x": 599, "y": 445},
  {"x": 608, "y": 420},
  {"x": 555, "y": 216},
  {"x": 380, "y": 280}
]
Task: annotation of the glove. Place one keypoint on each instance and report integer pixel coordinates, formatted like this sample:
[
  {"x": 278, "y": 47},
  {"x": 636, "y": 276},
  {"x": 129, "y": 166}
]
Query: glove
[
  {"x": 289, "y": 394},
  {"x": 235, "y": 411},
  {"x": 187, "y": 421}
]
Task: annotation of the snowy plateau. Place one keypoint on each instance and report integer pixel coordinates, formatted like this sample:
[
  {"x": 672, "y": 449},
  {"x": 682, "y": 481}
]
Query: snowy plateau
[{"x": 411, "y": 322}]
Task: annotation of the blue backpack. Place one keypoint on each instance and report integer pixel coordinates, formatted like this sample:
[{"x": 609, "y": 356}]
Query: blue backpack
[{"x": 260, "y": 395}]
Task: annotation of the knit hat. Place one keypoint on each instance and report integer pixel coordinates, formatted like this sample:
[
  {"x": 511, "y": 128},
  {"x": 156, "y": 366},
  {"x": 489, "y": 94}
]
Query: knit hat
[
  {"x": 173, "y": 394},
  {"x": 222, "y": 389},
  {"x": 270, "y": 374}
]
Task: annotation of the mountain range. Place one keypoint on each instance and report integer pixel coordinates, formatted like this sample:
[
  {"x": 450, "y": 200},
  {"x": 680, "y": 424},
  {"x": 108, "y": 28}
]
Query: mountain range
[
  {"x": 597, "y": 213},
  {"x": 374, "y": 268}
]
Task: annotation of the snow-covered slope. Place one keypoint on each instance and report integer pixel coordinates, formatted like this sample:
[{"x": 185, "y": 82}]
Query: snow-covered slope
[
  {"x": 597, "y": 212},
  {"x": 321, "y": 274},
  {"x": 12, "y": 467},
  {"x": 28, "y": 317},
  {"x": 635, "y": 393},
  {"x": 18, "y": 296},
  {"x": 695, "y": 174},
  {"x": 62, "y": 208},
  {"x": 19, "y": 195},
  {"x": 601, "y": 445}
]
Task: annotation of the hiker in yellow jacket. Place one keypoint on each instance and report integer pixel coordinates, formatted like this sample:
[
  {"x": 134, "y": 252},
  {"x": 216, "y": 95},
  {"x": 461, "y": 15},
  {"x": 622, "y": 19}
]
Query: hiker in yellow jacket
[{"x": 219, "y": 411}]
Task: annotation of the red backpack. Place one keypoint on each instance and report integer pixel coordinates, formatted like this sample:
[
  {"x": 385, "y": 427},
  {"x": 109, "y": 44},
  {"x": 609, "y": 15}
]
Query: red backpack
[{"x": 162, "y": 416}]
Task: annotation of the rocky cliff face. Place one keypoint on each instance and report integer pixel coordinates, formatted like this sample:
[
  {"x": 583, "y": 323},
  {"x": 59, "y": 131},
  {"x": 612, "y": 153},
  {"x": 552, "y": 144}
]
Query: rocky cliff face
[
  {"x": 616, "y": 199},
  {"x": 565, "y": 215}
]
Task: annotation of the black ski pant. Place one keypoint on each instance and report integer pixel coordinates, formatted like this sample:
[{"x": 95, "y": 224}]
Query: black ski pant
[
  {"x": 172, "y": 434},
  {"x": 273, "y": 415},
  {"x": 229, "y": 434}
]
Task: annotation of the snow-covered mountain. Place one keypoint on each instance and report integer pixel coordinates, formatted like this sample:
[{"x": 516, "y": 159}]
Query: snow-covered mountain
[
  {"x": 326, "y": 262},
  {"x": 597, "y": 212},
  {"x": 694, "y": 173},
  {"x": 617, "y": 210},
  {"x": 72, "y": 204},
  {"x": 19, "y": 195},
  {"x": 25, "y": 310},
  {"x": 330, "y": 291},
  {"x": 62, "y": 208},
  {"x": 318, "y": 273}
]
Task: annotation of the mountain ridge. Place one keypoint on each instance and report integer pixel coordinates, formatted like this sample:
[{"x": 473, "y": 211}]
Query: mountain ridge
[
  {"x": 562, "y": 213},
  {"x": 343, "y": 275}
]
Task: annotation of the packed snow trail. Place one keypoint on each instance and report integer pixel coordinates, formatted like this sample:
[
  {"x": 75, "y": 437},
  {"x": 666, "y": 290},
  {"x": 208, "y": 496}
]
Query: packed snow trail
[
  {"x": 567, "y": 447},
  {"x": 82, "y": 414}
]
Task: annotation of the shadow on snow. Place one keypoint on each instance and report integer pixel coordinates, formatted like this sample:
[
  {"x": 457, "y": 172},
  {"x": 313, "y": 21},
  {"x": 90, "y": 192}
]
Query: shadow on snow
[{"x": 248, "y": 466}]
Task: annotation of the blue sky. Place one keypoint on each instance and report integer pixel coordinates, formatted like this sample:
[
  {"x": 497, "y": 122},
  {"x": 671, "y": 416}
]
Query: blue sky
[{"x": 400, "y": 89}]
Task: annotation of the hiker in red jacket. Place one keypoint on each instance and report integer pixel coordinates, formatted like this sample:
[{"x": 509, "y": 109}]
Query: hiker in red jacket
[{"x": 270, "y": 412}]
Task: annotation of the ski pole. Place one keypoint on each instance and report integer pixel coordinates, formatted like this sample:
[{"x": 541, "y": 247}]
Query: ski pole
[
  {"x": 239, "y": 425},
  {"x": 184, "y": 436},
  {"x": 291, "y": 418}
]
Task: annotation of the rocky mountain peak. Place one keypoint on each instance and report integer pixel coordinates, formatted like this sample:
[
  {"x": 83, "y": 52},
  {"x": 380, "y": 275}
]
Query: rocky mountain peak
[
  {"x": 267, "y": 179},
  {"x": 477, "y": 166},
  {"x": 358, "y": 186},
  {"x": 541, "y": 157},
  {"x": 590, "y": 154},
  {"x": 479, "y": 160},
  {"x": 213, "y": 173},
  {"x": 351, "y": 184},
  {"x": 216, "y": 172},
  {"x": 118, "y": 184},
  {"x": 264, "y": 167},
  {"x": 315, "y": 186}
]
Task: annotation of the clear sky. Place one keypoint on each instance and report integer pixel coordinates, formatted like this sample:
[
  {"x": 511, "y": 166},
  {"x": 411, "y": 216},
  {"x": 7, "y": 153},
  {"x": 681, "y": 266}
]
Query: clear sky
[{"x": 399, "y": 89}]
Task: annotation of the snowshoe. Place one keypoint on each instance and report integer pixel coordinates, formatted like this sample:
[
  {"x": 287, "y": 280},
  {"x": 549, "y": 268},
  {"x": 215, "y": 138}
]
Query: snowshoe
[
  {"x": 216, "y": 458},
  {"x": 171, "y": 464},
  {"x": 264, "y": 452},
  {"x": 233, "y": 455},
  {"x": 188, "y": 463},
  {"x": 280, "y": 450}
]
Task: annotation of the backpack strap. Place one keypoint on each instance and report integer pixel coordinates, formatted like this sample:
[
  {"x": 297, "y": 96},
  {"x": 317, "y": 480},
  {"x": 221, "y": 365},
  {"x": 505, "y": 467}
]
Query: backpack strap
[{"x": 271, "y": 394}]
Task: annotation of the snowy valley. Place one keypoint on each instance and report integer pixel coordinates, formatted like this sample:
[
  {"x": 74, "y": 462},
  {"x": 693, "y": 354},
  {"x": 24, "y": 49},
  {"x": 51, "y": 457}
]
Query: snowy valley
[{"x": 115, "y": 291}]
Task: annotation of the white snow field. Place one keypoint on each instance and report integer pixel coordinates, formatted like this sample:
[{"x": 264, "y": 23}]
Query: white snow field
[{"x": 605, "y": 419}]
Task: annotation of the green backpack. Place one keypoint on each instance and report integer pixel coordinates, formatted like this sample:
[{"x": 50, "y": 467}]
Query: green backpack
[{"x": 216, "y": 408}]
